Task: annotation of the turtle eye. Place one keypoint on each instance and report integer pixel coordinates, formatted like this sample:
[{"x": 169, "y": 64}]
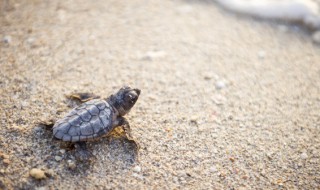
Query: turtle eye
[
  {"x": 133, "y": 98},
  {"x": 129, "y": 98}
]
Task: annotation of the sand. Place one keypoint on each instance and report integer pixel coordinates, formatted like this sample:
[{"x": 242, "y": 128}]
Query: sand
[{"x": 227, "y": 102}]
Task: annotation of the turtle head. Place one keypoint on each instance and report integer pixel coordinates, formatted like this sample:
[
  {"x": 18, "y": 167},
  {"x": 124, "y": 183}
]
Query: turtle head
[{"x": 124, "y": 99}]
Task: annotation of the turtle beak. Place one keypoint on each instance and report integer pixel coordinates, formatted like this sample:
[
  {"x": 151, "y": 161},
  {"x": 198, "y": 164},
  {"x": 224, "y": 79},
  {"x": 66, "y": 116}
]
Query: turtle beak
[{"x": 137, "y": 91}]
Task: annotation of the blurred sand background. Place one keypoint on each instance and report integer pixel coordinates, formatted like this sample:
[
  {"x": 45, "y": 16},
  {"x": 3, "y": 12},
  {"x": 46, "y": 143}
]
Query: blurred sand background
[{"x": 228, "y": 102}]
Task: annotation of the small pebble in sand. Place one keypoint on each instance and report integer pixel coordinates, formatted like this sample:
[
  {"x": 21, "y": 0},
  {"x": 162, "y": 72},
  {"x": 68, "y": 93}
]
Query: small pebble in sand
[
  {"x": 261, "y": 54},
  {"x": 42, "y": 188},
  {"x": 4, "y": 156},
  {"x": 213, "y": 169},
  {"x": 6, "y": 161},
  {"x": 316, "y": 37},
  {"x": 137, "y": 169},
  {"x": 220, "y": 85},
  {"x": 30, "y": 40},
  {"x": 7, "y": 39},
  {"x": 137, "y": 176},
  {"x": 151, "y": 55},
  {"x": 62, "y": 151},
  {"x": 37, "y": 173},
  {"x": 209, "y": 76},
  {"x": 304, "y": 155},
  {"x": 71, "y": 165},
  {"x": 50, "y": 173},
  {"x": 24, "y": 104},
  {"x": 193, "y": 119},
  {"x": 58, "y": 158}
]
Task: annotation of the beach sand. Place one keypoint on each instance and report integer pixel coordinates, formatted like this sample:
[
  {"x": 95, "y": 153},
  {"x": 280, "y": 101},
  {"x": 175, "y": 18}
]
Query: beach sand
[{"x": 227, "y": 102}]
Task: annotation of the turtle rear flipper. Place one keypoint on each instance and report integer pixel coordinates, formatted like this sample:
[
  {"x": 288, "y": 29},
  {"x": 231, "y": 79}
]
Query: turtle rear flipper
[
  {"x": 47, "y": 123},
  {"x": 82, "y": 154},
  {"x": 82, "y": 96}
]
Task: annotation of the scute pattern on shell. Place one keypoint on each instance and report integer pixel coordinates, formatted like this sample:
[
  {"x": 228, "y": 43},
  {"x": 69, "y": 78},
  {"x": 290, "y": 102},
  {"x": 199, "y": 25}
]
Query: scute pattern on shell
[{"x": 90, "y": 120}]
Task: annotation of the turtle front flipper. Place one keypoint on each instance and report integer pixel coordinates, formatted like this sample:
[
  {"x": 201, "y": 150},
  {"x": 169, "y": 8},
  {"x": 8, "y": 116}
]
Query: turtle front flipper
[
  {"x": 82, "y": 96},
  {"x": 126, "y": 127},
  {"x": 82, "y": 153}
]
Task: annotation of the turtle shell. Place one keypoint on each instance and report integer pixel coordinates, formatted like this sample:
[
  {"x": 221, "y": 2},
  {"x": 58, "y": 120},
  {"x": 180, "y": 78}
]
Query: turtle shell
[{"x": 90, "y": 120}]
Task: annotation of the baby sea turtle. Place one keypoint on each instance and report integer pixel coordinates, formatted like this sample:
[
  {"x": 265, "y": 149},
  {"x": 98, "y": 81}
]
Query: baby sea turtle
[{"x": 96, "y": 118}]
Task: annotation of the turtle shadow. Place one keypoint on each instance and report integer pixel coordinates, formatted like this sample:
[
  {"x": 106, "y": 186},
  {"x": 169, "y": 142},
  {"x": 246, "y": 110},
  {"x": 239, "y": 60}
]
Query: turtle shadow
[{"x": 114, "y": 150}]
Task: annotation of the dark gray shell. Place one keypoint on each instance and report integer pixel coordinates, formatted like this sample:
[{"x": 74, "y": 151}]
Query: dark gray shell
[{"x": 88, "y": 121}]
